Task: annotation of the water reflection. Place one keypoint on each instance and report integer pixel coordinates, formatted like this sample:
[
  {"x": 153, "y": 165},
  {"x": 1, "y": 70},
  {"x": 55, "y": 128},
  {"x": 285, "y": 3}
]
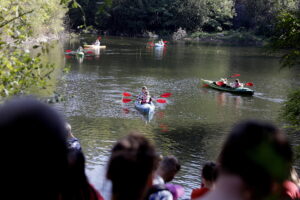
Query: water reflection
[{"x": 159, "y": 52}]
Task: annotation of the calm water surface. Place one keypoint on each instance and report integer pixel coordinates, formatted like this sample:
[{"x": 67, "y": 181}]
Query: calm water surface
[{"x": 192, "y": 124}]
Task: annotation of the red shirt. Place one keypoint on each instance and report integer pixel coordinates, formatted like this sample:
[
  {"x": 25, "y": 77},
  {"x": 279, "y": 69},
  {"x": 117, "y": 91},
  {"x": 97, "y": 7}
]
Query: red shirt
[{"x": 199, "y": 192}]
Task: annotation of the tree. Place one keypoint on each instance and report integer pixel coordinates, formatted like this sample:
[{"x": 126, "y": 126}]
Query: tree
[
  {"x": 259, "y": 15},
  {"x": 287, "y": 36},
  {"x": 20, "y": 20},
  {"x": 287, "y": 39}
]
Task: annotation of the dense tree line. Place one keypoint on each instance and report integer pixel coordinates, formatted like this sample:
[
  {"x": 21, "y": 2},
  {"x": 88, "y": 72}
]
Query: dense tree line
[{"x": 133, "y": 17}]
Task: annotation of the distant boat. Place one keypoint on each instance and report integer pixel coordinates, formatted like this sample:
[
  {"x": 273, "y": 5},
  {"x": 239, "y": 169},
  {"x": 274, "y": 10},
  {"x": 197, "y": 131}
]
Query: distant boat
[
  {"x": 92, "y": 46},
  {"x": 159, "y": 45}
]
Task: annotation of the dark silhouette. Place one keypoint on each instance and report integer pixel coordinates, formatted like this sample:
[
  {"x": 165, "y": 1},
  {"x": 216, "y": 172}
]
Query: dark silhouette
[
  {"x": 35, "y": 157},
  {"x": 255, "y": 158},
  {"x": 209, "y": 175},
  {"x": 168, "y": 168},
  {"x": 131, "y": 167}
]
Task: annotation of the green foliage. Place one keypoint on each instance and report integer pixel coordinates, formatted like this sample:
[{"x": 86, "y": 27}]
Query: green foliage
[
  {"x": 259, "y": 15},
  {"x": 229, "y": 37},
  {"x": 20, "y": 20},
  {"x": 219, "y": 17},
  {"x": 287, "y": 37},
  {"x": 291, "y": 109},
  {"x": 134, "y": 17}
]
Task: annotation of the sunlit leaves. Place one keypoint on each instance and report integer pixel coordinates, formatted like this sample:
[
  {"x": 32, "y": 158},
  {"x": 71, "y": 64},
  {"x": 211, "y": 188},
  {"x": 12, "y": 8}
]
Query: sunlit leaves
[
  {"x": 287, "y": 37},
  {"x": 20, "y": 20}
]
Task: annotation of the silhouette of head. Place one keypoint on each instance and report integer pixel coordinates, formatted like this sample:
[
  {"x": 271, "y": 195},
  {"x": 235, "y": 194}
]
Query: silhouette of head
[
  {"x": 168, "y": 168},
  {"x": 259, "y": 153},
  {"x": 131, "y": 165},
  {"x": 34, "y": 150}
]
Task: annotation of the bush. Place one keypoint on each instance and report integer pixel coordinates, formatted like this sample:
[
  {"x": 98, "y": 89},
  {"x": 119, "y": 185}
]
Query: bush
[
  {"x": 179, "y": 34},
  {"x": 290, "y": 111}
]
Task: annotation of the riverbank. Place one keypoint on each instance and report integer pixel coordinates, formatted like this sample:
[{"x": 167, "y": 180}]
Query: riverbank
[
  {"x": 232, "y": 38},
  {"x": 235, "y": 38}
]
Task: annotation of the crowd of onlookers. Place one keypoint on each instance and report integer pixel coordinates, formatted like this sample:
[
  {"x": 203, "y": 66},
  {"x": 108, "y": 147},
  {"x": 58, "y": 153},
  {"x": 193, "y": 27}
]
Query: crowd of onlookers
[{"x": 41, "y": 159}]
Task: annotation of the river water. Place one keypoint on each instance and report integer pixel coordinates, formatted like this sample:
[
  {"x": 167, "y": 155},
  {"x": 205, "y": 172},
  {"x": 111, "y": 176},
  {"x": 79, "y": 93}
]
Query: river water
[{"x": 192, "y": 124}]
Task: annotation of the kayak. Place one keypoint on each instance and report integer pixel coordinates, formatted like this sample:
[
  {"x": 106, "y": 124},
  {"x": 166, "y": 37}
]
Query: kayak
[
  {"x": 91, "y": 46},
  {"x": 159, "y": 45},
  {"x": 75, "y": 53},
  {"x": 146, "y": 108},
  {"x": 239, "y": 90}
]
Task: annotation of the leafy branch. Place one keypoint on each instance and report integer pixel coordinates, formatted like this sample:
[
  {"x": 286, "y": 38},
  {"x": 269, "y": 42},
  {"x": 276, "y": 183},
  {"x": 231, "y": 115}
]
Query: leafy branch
[{"x": 15, "y": 18}]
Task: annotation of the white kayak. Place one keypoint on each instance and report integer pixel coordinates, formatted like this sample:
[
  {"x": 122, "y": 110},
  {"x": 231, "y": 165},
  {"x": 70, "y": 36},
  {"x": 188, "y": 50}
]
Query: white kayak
[
  {"x": 145, "y": 108},
  {"x": 159, "y": 45},
  {"x": 92, "y": 46}
]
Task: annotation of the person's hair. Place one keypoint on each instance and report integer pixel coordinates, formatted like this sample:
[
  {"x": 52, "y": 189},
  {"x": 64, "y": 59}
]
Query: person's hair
[
  {"x": 169, "y": 166},
  {"x": 237, "y": 80},
  {"x": 209, "y": 171},
  {"x": 78, "y": 182},
  {"x": 259, "y": 153},
  {"x": 144, "y": 88},
  {"x": 34, "y": 150},
  {"x": 132, "y": 162}
]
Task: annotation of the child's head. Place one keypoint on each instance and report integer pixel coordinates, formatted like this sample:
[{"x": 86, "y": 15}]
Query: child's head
[
  {"x": 209, "y": 172},
  {"x": 132, "y": 162},
  {"x": 168, "y": 168},
  {"x": 237, "y": 80},
  {"x": 144, "y": 88}
]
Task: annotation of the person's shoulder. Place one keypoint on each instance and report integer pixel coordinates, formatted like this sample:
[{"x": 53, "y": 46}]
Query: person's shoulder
[{"x": 196, "y": 193}]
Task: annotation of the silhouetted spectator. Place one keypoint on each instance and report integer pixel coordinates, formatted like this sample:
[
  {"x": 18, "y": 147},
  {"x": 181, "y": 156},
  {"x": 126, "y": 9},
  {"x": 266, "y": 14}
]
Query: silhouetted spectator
[
  {"x": 209, "y": 175},
  {"x": 131, "y": 167},
  {"x": 167, "y": 169},
  {"x": 35, "y": 157},
  {"x": 256, "y": 156}
]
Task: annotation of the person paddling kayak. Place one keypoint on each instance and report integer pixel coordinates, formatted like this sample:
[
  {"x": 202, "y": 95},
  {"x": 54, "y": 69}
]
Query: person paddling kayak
[{"x": 144, "y": 96}]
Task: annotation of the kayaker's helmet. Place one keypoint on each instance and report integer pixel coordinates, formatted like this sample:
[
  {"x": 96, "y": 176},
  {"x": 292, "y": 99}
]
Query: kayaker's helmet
[{"x": 144, "y": 88}]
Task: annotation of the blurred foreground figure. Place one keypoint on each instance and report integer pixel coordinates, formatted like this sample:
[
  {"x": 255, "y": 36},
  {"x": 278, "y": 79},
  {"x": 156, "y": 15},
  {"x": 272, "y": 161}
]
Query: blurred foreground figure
[
  {"x": 36, "y": 163},
  {"x": 254, "y": 162},
  {"x": 209, "y": 175},
  {"x": 131, "y": 167}
]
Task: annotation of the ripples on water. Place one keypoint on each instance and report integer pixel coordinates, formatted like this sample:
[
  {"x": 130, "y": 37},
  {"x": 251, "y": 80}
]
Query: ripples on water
[{"x": 192, "y": 124}]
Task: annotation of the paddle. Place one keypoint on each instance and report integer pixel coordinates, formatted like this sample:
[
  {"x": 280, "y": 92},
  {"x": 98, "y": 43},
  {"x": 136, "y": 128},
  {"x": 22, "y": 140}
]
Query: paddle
[
  {"x": 124, "y": 100},
  {"x": 249, "y": 84},
  {"x": 164, "y": 95},
  {"x": 234, "y": 75},
  {"x": 126, "y": 94},
  {"x": 161, "y": 101}
]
